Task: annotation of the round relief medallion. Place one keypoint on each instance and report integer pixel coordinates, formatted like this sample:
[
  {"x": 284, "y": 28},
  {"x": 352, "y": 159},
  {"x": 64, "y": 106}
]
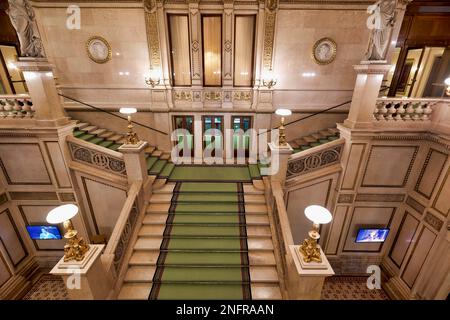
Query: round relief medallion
[
  {"x": 324, "y": 51},
  {"x": 98, "y": 49}
]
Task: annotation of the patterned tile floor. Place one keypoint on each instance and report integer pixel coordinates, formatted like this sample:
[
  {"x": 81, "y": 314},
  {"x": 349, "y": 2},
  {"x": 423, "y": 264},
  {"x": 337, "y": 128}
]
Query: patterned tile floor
[
  {"x": 350, "y": 288},
  {"x": 50, "y": 287}
]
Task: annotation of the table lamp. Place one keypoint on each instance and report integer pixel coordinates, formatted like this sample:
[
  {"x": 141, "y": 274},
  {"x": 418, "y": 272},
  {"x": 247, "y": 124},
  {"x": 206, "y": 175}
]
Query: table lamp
[
  {"x": 132, "y": 137},
  {"x": 75, "y": 247},
  {"x": 283, "y": 113},
  {"x": 309, "y": 249}
]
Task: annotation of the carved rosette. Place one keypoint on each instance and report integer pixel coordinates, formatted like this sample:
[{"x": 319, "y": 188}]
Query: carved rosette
[
  {"x": 97, "y": 159},
  {"x": 314, "y": 161}
]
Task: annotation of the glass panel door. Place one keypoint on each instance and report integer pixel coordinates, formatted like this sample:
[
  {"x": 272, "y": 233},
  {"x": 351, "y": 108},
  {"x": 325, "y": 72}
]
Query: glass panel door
[
  {"x": 185, "y": 137},
  {"x": 241, "y": 138},
  {"x": 213, "y": 134}
]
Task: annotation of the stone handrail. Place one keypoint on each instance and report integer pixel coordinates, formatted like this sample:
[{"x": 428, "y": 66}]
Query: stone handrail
[
  {"x": 96, "y": 156},
  {"x": 401, "y": 109},
  {"x": 120, "y": 238},
  {"x": 282, "y": 235},
  {"x": 322, "y": 156},
  {"x": 16, "y": 106}
]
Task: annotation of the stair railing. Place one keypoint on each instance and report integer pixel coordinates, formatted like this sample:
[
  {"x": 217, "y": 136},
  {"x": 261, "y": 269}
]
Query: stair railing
[
  {"x": 117, "y": 252},
  {"x": 111, "y": 113},
  {"x": 282, "y": 234}
]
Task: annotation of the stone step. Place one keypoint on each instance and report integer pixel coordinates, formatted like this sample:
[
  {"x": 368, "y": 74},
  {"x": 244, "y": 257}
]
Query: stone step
[
  {"x": 90, "y": 129},
  {"x": 309, "y": 139},
  {"x": 294, "y": 144},
  {"x": 161, "y": 198},
  {"x": 166, "y": 188},
  {"x": 116, "y": 138},
  {"x": 250, "y": 189},
  {"x": 253, "y": 231},
  {"x": 265, "y": 291},
  {"x": 157, "y": 153},
  {"x": 165, "y": 156},
  {"x": 82, "y": 125},
  {"x": 155, "y": 218},
  {"x": 150, "y": 258},
  {"x": 301, "y": 142},
  {"x": 135, "y": 291},
  {"x": 258, "y": 184},
  {"x": 140, "y": 274},
  {"x": 254, "y": 199},
  {"x": 333, "y": 130},
  {"x": 107, "y": 134},
  {"x": 98, "y": 132},
  {"x": 263, "y": 274},
  {"x": 159, "y": 183},
  {"x": 149, "y": 149}
]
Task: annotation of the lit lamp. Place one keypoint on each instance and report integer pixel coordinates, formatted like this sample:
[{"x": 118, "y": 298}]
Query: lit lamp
[
  {"x": 132, "y": 137},
  {"x": 270, "y": 82},
  {"x": 76, "y": 247},
  {"x": 283, "y": 113},
  {"x": 309, "y": 249},
  {"x": 153, "y": 78},
  {"x": 447, "y": 83}
]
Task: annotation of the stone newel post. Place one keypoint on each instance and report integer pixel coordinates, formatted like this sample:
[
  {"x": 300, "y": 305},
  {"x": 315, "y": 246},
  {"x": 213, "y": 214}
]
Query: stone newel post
[
  {"x": 134, "y": 157},
  {"x": 279, "y": 163},
  {"x": 42, "y": 88}
]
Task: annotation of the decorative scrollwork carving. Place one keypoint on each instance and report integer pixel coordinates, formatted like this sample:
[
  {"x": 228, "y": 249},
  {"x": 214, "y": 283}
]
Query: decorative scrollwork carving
[
  {"x": 314, "y": 161},
  {"x": 97, "y": 159},
  {"x": 125, "y": 238}
]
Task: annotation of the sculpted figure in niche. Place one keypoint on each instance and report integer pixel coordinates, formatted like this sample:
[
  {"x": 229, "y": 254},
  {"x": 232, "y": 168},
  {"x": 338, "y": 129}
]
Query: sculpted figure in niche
[
  {"x": 380, "y": 22},
  {"x": 22, "y": 18}
]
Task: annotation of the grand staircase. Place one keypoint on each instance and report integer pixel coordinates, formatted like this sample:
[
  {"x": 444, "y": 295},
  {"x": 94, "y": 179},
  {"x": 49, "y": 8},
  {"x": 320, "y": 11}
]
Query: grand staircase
[
  {"x": 206, "y": 235},
  {"x": 314, "y": 139},
  {"x": 158, "y": 162}
]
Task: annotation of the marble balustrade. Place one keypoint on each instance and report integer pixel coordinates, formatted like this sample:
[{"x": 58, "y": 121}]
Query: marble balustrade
[
  {"x": 400, "y": 109},
  {"x": 16, "y": 106}
]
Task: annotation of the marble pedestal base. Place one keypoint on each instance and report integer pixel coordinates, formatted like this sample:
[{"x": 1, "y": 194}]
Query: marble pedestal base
[
  {"x": 87, "y": 279},
  {"x": 310, "y": 277}
]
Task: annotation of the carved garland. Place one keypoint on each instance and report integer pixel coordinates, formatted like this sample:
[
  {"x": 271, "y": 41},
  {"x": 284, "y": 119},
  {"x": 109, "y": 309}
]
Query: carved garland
[
  {"x": 97, "y": 159},
  {"x": 314, "y": 161},
  {"x": 269, "y": 34}
]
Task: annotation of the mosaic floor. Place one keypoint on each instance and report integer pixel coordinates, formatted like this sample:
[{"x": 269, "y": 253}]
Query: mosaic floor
[
  {"x": 350, "y": 288},
  {"x": 48, "y": 287},
  {"x": 336, "y": 288}
]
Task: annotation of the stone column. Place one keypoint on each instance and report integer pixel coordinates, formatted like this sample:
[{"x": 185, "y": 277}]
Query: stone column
[
  {"x": 86, "y": 279},
  {"x": 198, "y": 139},
  {"x": 279, "y": 161},
  {"x": 365, "y": 94},
  {"x": 135, "y": 164},
  {"x": 42, "y": 88},
  {"x": 308, "y": 282}
]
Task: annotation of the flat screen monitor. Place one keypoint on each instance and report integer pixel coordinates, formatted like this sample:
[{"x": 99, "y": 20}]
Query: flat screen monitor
[
  {"x": 44, "y": 232},
  {"x": 366, "y": 235}
]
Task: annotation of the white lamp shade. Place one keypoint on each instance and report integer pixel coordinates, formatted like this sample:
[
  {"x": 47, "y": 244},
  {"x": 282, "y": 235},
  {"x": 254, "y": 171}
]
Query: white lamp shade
[
  {"x": 62, "y": 213},
  {"x": 283, "y": 112},
  {"x": 318, "y": 214},
  {"x": 128, "y": 110},
  {"x": 447, "y": 81}
]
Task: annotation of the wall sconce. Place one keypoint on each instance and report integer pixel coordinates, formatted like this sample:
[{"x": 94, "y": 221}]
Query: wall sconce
[
  {"x": 447, "y": 83},
  {"x": 153, "y": 78},
  {"x": 75, "y": 248},
  {"x": 269, "y": 80},
  {"x": 282, "y": 136},
  {"x": 309, "y": 249},
  {"x": 132, "y": 137}
]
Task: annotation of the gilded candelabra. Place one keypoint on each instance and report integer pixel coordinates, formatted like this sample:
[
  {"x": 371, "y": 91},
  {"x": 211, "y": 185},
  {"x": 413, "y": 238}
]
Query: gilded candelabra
[
  {"x": 282, "y": 136},
  {"x": 309, "y": 248},
  {"x": 76, "y": 247},
  {"x": 132, "y": 137}
]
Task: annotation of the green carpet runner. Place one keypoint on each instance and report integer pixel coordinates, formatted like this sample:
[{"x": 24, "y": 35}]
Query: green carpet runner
[{"x": 204, "y": 250}]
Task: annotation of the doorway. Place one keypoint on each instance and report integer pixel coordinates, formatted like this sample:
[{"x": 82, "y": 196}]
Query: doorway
[
  {"x": 213, "y": 135},
  {"x": 241, "y": 136},
  {"x": 185, "y": 135}
]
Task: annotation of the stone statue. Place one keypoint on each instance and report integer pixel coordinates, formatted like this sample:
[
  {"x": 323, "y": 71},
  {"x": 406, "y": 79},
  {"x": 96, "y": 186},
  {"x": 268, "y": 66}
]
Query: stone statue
[
  {"x": 380, "y": 22},
  {"x": 23, "y": 20}
]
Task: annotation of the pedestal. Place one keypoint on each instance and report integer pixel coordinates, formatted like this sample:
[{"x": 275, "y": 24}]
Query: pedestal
[
  {"x": 134, "y": 157},
  {"x": 38, "y": 75},
  {"x": 367, "y": 87},
  {"x": 87, "y": 279},
  {"x": 310, "y": 276},
  {"x": 279, "y": 162}
]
